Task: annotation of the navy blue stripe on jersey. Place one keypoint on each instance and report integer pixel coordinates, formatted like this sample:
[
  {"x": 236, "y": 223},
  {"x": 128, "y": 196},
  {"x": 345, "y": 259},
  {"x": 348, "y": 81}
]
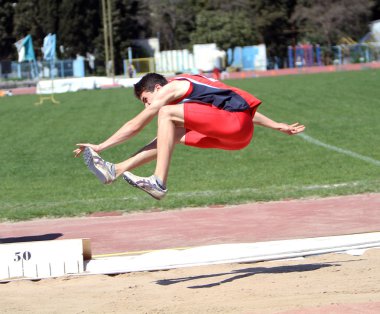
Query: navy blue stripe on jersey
[{"x": 225, "y": 99}]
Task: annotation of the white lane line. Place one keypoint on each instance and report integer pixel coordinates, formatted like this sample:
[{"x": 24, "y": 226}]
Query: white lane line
[
  {"x": 185, "y": 194},
  {"x": 339, "y": 150}
]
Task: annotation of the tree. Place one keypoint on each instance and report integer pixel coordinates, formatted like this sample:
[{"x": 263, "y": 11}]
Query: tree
[
  {"x": 180, "y": 23},
  {"x": 247, "y": 22},
  {"x": 6, "y": 28},
  {"x": 27, "y": 22},
  {"x": 173, "y": 21},
  {"x": 271, "y": 22},
  {"x": 226, "y": 29},
  {"x": 36, "y": 18},
  {"x": 48, "y": 13},
  {"x": 376, "y": 10},
  {"x": 79, "y": 27},
  {"x": 130, "y": 20},
  {"x": 327, "y": 21}
]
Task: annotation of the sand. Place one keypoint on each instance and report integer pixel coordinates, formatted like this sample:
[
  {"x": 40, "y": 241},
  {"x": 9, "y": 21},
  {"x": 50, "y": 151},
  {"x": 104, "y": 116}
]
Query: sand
[{"x": 331, "y": 283}]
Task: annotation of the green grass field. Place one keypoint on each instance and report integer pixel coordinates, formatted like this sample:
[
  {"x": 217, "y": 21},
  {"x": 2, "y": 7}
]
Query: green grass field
[{"x": 39, "y": 176}]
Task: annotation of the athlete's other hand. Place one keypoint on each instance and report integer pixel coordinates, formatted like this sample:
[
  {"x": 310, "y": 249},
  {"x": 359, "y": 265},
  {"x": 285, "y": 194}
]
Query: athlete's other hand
[
  {"x": 81, "y": 146},
  {"x": 291, "y": 129}
]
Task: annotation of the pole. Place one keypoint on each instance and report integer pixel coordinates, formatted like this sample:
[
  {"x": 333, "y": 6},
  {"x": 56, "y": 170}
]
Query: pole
[
  {"x": 110, "y": 38},
  {"x": 130, "y": 55},
  {"x": 105, "y": 31}
]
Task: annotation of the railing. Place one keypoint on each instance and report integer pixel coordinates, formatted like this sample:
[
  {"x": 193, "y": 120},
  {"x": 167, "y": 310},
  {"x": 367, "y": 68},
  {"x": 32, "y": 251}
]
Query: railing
[{"x": 38, "y": 70}]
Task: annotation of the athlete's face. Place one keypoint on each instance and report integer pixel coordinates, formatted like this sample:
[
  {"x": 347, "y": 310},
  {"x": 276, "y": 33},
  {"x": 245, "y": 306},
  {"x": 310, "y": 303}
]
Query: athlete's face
[{"x": 147, "y": 97}]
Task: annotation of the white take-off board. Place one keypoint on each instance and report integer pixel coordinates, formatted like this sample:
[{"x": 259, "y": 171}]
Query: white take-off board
[{"x": 43, "y": 259}]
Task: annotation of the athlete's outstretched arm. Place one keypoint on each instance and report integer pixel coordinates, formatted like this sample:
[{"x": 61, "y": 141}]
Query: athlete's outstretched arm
[
  {"x": 290, "y": 129},
  {"x": 163, "y": 95},
  {"x": 127, "y": 131}
]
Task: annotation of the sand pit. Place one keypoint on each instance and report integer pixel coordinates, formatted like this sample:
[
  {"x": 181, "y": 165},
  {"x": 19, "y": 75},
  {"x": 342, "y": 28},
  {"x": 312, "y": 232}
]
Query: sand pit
[{"x": 331, "y": 283}]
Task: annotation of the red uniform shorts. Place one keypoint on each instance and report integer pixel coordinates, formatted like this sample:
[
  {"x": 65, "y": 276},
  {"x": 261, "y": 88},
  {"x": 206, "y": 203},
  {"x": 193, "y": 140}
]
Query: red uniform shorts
[{"x": 210, "y": 127}]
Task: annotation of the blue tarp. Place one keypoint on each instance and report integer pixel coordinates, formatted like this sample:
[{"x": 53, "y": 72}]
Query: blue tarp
[{"x": 243, "y": 57}]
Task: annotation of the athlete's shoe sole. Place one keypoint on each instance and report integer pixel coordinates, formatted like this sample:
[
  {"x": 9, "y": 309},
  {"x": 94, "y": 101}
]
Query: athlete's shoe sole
[
  {"x": 102, "y": 169},
  {"x": 146, "y": 184}
]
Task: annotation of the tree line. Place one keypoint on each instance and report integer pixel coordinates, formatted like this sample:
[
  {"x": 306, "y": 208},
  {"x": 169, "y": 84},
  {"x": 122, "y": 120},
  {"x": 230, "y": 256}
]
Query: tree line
[{"x": 181, "y": 23}]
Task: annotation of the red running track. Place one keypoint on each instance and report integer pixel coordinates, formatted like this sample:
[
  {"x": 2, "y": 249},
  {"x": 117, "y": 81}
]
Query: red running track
[{"x": 118, "y": 233}]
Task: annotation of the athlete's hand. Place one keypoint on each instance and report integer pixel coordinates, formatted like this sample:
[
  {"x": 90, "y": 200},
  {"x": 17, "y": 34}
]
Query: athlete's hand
[
  {"x": 291, "y": 129},
  {"x": 77, "y": 152}
]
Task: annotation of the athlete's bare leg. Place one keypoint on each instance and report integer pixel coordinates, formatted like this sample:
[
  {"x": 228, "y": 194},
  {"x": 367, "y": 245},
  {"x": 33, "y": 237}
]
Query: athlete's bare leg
[
  {"x": 141, "y": 157},
  {"x": 170, "y": 123},
  {"x": 146, "y": 154}
]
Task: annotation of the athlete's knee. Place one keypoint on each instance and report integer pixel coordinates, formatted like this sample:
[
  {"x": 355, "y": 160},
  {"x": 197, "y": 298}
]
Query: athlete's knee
[
  {"x": 165, "y": 113},
  {"x": 171, "y": 113}
]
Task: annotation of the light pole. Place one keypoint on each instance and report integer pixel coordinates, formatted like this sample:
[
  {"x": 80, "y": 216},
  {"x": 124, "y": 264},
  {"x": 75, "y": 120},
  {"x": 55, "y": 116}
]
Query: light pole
[{"x": 108, "y": 38}]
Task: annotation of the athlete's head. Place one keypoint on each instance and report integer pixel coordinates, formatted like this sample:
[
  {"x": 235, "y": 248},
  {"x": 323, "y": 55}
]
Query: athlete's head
[{"x": 148, "y": 83}]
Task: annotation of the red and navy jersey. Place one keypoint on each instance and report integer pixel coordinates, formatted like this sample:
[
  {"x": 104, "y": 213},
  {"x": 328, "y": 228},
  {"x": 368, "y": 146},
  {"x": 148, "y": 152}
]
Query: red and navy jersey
[{"x": 210, "y": 91}]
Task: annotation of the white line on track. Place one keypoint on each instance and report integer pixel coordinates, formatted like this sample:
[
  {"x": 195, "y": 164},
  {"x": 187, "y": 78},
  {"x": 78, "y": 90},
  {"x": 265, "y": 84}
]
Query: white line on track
[
  {"x": 339, "y": 150},
  {"x": 185, "y": 194}
]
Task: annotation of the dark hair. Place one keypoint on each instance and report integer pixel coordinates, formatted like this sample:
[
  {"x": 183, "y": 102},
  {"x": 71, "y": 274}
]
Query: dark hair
[{"x": 148, "y": 82}]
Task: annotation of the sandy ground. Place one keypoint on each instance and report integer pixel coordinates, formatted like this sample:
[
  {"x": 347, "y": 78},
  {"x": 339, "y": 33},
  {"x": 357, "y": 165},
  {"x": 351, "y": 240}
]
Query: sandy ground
[{"x": 332, "y": 283}]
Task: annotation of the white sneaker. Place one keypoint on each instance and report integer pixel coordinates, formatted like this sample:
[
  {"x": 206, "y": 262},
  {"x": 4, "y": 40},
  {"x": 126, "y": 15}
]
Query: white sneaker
[
  {"x": 147, "y": 184},
  {"x": 104, "y": 170}
]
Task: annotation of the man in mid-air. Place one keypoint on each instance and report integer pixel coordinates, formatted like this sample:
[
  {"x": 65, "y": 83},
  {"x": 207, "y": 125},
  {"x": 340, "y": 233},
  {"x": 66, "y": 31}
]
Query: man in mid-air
[{"x": 192, "y": 110}]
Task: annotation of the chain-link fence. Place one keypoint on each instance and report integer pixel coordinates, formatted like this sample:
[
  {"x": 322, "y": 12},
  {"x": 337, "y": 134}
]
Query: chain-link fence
[
  {"x": 357, "y": 53},
  {"x": 38, "y": 70}
]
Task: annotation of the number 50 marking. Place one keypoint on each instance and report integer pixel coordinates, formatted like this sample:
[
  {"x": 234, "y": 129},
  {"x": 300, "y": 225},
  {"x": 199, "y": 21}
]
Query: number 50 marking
[{"x": 26, "y": 256}]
